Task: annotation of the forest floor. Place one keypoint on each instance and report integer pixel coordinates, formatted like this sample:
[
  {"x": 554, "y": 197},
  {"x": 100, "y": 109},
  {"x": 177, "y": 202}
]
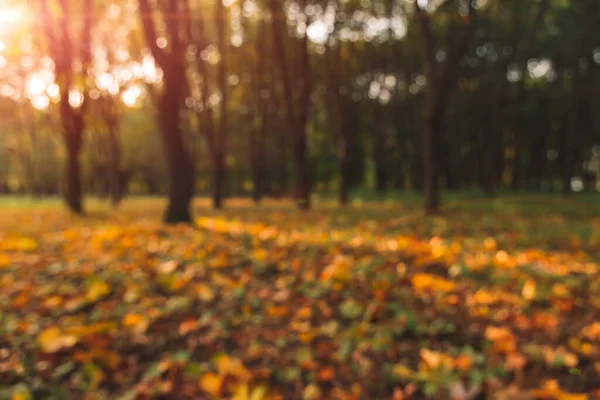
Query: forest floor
[{"x": 489, "y": 299}]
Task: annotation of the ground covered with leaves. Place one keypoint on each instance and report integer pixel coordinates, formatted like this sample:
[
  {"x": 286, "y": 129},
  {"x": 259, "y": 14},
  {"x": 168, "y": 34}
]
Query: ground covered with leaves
[{"x": 375, "y": 301}]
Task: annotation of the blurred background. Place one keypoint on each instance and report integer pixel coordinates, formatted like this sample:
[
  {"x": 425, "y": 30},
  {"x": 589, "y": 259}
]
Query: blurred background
[{"x": 273, "y": 98}]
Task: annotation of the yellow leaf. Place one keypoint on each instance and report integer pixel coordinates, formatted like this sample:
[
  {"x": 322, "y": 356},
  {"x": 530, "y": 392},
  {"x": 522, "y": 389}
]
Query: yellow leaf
[
  {"x": 503, "y": 338},
  {"x": 230, "y": 366},
  {"x": 96, "y": 290},
  {"x": 168, "y": 267},
  {"x": 434, "y": 360},
  {"x": 483, "y": 297},
  {"x": 4, "y": 261},
  {"x": 204, "y": 292},
  {"x": 403, "y": 371},
  {"x": 211, "y": 383},
  {"x": 259, "y": 255},
  {"x": 582, "y": 347},
  {"x": 26, "y": 244},
  {"x": 339, "y": 270},
  {"x": 560, "y": 290},
  {"x": 427, "y": 282},
  {"x": 53, "y": 339},
  {"x": 401, "y": 270},
  {"x": 243, "y": 393},
  {"x": 592, "y": 331},
  {"x": 528, "y": 291},
  {"x": 258, "y": 393},
  {"x": 311, "y": 392},
  {"x": 21, "y": 392},
  {"x": 135, "y": 322},
  {"x": 490, "y": 243}
]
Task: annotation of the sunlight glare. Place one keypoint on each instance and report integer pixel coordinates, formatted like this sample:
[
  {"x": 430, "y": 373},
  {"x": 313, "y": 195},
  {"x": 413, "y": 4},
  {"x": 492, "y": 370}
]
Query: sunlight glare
[
  {"x": 11, "y": 16},
  {"x": 104, "y": 81},
  {"x": 318, "y": 32},
  {"x": 149, "y": 68},
  {"x": 75, "y": 98},
  {"x": 6, "y": 91},
  {"x": 40, "y": 102},
  {"x": 131, "y": 96},
  {"x": 35, "y": 86},
  {"x": 53, "y": 91}
]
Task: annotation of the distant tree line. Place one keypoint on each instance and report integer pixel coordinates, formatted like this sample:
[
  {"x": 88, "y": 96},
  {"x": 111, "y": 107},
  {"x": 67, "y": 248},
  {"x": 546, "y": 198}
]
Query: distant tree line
[{"x": 287, "y": 98}]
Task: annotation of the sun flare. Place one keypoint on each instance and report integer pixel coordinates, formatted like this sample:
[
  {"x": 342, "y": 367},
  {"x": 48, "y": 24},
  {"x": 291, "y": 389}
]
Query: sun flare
[{"x": 11, "y": 16}]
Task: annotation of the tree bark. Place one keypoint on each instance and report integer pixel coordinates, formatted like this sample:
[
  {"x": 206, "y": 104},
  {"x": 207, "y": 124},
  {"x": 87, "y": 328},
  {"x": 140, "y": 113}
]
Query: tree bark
[
  {"x": 218, "y": 179},
  {"x": 65, "y": 50},
  {"x": 430, "y": 170},
  {"x": 297, "y": 114},
  {"x": 221, "y": 140},
  {"x": 169, "y": 103},
  {"x": 73, "y": 192},
  {"x": 180, "y": 171},
  {"x": 344, "y": 166},
  {"x": 115, "y": 168},
  {"x": 439, "y": 88}
]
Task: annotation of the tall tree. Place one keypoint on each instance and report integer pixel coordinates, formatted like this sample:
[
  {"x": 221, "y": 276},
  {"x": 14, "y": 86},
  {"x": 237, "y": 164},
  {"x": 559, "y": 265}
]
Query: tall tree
[
  {"x": 68, "y": 49},
  {"x": 220, "y": 146},
  {"x": 169, "y": 54},
  {"x": 440, "y": 83},
  {"x": 296, "y": 82}
]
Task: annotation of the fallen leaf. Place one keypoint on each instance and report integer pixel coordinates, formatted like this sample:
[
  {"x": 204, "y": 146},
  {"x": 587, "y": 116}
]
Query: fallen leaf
[
  {"x": 53, "y": 339},
  {"x": 211, "y": 383},
  {"x": 529, "y": 290}
]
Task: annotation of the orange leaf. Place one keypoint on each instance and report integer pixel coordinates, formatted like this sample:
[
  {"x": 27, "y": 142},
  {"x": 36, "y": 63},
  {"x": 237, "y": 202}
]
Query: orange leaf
[
  {"x": 135, "y": 322},
  {"x": 326, "y": 374},
  {"x": 188, "y": 326},
  {"x": 463, "y": 362},
  {"x": 515, "y": 362},
  {"x": 211, "y": 383},
  {"x": 277, "y": 311},
  {"x": 529, "y": 290}
]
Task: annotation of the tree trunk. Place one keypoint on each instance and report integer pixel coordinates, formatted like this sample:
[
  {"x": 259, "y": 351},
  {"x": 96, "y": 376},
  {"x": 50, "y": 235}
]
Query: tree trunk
[
  {"x": 218, "y": 180},
  {"x": 220, "y": 149},
  {"x": 114, "y": 169},
  {"x": 256, "y": 166},
  {"x": 430, "y": 175},
  {"x": 343, "y": 163},
  {"x": 380, "y": 167},
  {"x": 73, "y": 192},
  {"x": 180, "y": 171},
  {"x": 296, "y": 84},
  {"x": 302, "y": 189}
]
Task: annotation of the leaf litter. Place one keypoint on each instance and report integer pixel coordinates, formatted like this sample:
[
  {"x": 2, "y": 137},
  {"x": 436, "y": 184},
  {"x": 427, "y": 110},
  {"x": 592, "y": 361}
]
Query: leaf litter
[{"x": 278, "y": 305}]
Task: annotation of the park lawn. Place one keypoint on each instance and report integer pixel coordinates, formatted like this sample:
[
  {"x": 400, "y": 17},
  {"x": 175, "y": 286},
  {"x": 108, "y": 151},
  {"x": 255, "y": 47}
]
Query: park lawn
[{"x": 370, "y": 301}]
